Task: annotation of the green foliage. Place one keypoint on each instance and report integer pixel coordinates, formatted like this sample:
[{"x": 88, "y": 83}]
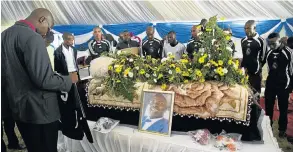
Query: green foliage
[{"x": 213, "y": 62}]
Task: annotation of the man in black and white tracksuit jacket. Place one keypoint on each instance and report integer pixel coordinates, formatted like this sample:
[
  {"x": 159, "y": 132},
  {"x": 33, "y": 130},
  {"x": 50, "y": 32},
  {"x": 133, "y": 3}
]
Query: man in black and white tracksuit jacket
[
  {"x": 194, "y": 44},
  {"x": 280, "y": 64},
  {"x": 98, "y": 45},
  {"x": 253, "y": 49},
  {"x": 151, "y": 46}
]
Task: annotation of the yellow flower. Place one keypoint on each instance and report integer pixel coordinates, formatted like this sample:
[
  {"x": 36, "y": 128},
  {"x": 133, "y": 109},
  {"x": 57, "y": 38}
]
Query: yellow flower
[
  {"x": 142, "y": 71},
  {"x": 184, "y": 61},
  {"x": 221, "y": 73},
  {"x": 213, "y": 63},
  {"x": 201, "y": 60},
  {"x": 209, "y": 29},
  {"x": 178, "y": 70},
  {"x": 237, "y": 63},
  {"x": 205, "y": 55},
  {"x": 185, "y": 81},
  {"x": 110, "y": 67},
  {"x": 118, "y": 81},
  {"x": 198, "y": 73},
  {"x": 230, "y": 62},
  {"x": 126, "y": 71},
  {"x": 164, "y": 87},
  {"x": 172, "y": 66},
  {"x": 160, "y": 76},
  {"x": 202, "y": 80},
  {"x": 171, "y": 56},
  {"x": 185, "y": 73},
  {"x": 220, "y": 62},
  {"x": 118, "y": 69}
]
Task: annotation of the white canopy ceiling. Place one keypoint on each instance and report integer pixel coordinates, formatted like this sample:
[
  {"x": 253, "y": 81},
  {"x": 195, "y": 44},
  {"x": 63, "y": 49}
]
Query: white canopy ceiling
[{"x": 112, "y": 12}]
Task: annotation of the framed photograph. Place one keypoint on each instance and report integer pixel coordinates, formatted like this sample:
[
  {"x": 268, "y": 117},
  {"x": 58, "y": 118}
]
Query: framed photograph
[{"x": 156, "y": 112}]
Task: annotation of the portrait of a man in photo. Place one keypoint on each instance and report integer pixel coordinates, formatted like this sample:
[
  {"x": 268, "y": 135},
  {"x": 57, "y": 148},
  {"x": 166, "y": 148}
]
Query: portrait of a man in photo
[{"x": 156, "y": 113}]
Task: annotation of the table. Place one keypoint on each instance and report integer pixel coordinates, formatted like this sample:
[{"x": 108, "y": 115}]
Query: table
[{"x": 126, "y": 138}]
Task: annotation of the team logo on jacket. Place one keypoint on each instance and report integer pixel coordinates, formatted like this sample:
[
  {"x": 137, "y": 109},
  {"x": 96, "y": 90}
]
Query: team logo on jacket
[
  {"x": 275, "y": 65},
  {"x": 248, "y": 51},
  {"x": 64, "y": 96}
]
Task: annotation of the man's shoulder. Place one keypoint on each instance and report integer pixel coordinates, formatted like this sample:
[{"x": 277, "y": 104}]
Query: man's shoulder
[
  {"x": 181, "y": 45},
  {"x": 158, "y": 40},
  {"x": 244, "y": 39},
  {"x": 190, "y": 41},
  {"x": 58, "y": 51},
  {"x": 105, "y": 42},
  {"x": 288, "y": 50}
]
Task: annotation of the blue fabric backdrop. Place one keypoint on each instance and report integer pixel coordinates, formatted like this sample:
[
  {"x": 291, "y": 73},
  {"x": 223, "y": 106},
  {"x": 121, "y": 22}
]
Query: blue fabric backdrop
[{"x": 181, "y": 28}]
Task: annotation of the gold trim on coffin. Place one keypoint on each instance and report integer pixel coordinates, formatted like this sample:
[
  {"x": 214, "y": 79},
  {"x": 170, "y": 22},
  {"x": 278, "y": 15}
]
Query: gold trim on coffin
[{"x": 213, "y": 100}]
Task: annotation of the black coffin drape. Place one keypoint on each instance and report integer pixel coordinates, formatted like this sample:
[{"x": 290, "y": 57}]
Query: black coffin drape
[{"x": 249, "y": 133}]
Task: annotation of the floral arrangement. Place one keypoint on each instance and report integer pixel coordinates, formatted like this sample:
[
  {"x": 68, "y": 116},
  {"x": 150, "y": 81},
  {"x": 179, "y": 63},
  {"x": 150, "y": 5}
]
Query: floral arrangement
[
  {"x": 229, "y": 142},
  {"x": 214, "y": 62}
]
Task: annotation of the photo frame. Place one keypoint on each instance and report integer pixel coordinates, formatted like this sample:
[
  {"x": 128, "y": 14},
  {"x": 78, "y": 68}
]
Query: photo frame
[{"x": 156, "y": 112}]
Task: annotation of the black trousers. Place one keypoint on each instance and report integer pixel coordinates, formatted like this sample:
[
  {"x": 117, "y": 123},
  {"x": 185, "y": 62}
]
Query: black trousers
[
  {"x": 255, "y": 83},
  {"x": 283, "y": 96},
  {"x": 9, "y": 125},
  {"x": 39, "y": 137}
]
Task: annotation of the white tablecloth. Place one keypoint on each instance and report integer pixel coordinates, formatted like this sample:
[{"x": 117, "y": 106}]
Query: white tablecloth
[{"x": 127, "y": 139}]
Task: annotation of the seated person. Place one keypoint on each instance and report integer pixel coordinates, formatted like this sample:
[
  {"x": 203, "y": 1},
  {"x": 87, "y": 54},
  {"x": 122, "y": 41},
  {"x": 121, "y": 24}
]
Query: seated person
[
  {"x": 173, "y": 46},
  {"x": 135, "y": 38},
  {"x": 126, "y": 42},
  {"x": 156, "y": 122}
]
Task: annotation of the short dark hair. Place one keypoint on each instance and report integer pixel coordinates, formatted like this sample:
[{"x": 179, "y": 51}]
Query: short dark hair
[
  {"x": 172, "y": 32},
  {"x": 50, "y": 37},
  {"x": 274, "y": 35},
  {"x": 290, "y": 40},
  {"x": 96, "y": 27},
  {"x": 66, "y": 35}
]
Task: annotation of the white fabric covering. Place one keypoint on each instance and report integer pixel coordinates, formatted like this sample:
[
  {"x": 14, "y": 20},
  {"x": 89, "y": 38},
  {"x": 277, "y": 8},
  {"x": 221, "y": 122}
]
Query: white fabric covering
[
  {"x": 128, "y": 139},
  {"x": 113, "y": 12}
]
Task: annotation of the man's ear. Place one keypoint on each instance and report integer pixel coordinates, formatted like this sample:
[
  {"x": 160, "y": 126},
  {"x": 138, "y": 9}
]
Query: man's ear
[{"x": 42, "y": 19}]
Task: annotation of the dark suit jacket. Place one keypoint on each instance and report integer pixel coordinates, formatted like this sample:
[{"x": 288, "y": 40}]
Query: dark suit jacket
[
  {"x": 31, "y": 86},
  {"x": 73, "y": 123}
]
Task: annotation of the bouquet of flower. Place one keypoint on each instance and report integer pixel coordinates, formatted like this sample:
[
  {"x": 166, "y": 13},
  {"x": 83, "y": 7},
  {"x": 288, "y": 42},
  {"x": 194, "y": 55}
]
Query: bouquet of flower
[
  {"x": 214, "y": 62},
  {"x": 201, "y": 136},
  {"x": 230, "y": 142}
]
